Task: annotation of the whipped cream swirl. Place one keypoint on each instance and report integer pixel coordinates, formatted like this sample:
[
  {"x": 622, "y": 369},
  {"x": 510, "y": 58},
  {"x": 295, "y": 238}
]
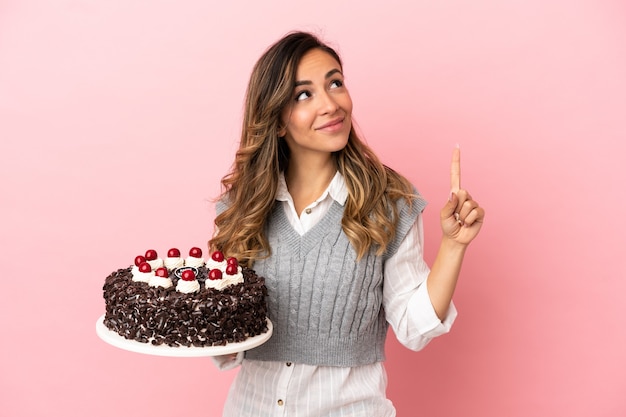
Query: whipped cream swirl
[
  {"x": 157, "y": 281},
  {"x": 193, "y": 261},
  {"x": 187, "y": 287},
  {"x": 173, "y": 263},
  {"x": 213, "y": 264},
  {"x": 156, "y": 263},
  {"x": 227, "y": 280},
  {"x": 139, "y": 276}
]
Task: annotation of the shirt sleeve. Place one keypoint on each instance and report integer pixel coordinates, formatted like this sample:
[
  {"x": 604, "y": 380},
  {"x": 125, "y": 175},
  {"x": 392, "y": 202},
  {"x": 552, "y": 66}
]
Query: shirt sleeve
[
  {"x": 408, "y": 308},
  {"x": 227, "y": 362}
]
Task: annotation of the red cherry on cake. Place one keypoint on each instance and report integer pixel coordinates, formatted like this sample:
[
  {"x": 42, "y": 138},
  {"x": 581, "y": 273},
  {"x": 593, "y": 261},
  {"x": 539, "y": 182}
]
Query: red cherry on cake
[
  {"x": 139, "y": 259},
  {"x": 161, "y": 272},
  {"x": 145, "y": 267},
  {"x": 215, "y": 274},
  {"x": 188, "y": 275},
  {"x": 173, "y": 253},
  {"x": 151, "y": 255},
  {"x": 232, "y": 261},
  {"x": 231, "y": 269},
  {"x": 195, "y": 252},
  {"x": 217, "y": 256}
]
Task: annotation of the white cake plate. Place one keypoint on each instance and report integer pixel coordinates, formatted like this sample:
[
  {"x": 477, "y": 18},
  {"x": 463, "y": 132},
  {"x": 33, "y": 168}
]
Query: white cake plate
[{"x": 121, "y": 342}]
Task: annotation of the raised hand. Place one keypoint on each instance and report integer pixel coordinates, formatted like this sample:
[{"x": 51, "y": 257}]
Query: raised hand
[{"x": 461, "y": 217}]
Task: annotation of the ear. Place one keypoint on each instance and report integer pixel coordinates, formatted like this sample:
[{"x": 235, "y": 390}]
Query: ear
[{"x": 282, "y": 131}]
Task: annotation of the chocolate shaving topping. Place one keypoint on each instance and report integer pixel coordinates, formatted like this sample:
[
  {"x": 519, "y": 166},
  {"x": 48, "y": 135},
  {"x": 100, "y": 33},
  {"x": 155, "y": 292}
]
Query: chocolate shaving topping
[{"x": 161, "y": 316}]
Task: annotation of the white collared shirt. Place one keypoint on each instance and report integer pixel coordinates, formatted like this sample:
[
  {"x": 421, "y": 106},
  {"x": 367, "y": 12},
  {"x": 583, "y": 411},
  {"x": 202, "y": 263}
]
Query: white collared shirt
[
  {"x": 313, "y": 213},
  {"x": 297, "y": 390}
]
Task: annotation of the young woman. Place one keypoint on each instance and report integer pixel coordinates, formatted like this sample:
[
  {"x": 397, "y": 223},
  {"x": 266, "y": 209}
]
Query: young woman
[{"x": 338, "y": 237}]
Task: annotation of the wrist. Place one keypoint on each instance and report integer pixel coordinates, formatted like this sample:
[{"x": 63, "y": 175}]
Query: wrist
[{"x": 452, "y": 245}]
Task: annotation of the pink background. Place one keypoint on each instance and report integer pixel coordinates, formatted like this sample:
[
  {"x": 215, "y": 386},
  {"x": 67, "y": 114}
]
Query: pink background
[{"x": 118, "y": 118}]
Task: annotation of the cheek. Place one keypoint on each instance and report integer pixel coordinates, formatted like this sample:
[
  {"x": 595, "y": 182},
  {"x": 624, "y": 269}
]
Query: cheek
[
  {"x": 299, "y": 120},
  {"x": 348, "y": 104}
]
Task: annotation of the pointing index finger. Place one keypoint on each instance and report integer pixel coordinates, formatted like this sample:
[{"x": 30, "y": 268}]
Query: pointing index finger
[{"x": 455, "y": 170}]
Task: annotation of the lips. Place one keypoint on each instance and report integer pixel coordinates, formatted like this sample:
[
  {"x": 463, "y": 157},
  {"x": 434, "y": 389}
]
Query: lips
[{"x": 332, "y": 125}]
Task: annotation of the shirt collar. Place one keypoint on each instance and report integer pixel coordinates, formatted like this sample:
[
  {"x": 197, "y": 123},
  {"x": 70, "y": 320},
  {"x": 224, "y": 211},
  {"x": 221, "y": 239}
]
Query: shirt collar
[{"x": 336, "y": 189}]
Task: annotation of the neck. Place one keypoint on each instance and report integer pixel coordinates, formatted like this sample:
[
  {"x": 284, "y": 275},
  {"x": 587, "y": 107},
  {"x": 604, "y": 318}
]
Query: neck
[{"x": 307, "y": 181}]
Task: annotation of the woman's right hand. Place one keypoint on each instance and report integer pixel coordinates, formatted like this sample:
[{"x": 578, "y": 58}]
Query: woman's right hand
[{"x": 461, "y": 217}]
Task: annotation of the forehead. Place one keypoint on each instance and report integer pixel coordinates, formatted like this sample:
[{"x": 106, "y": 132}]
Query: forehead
[{"x": 316, "y": 63}]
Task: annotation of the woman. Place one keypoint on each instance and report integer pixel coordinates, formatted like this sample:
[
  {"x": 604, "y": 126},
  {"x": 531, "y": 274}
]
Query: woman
[{"x": 338, "y": 237}]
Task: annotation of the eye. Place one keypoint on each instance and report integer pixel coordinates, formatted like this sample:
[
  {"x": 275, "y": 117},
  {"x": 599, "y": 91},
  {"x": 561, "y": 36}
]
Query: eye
[
  {"x": 302, "y": 95},
  {"x": 336, "y": 83}
]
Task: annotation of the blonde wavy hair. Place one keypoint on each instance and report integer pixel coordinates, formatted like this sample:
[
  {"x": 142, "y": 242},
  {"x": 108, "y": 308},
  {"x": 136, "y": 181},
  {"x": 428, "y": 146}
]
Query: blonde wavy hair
[{"x": 249, "y": 190}]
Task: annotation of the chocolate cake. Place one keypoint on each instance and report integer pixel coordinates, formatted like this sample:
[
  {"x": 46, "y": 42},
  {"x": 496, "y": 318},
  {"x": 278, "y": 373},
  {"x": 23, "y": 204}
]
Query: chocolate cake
[{"x": 185, "y": 305}]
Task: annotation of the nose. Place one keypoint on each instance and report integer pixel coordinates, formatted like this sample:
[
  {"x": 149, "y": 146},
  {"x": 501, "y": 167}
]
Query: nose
[{"x": 328, "y": 104}]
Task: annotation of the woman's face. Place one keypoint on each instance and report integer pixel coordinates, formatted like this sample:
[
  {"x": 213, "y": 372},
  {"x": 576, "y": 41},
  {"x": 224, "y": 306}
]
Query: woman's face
[{"x": 319, "y": 118}]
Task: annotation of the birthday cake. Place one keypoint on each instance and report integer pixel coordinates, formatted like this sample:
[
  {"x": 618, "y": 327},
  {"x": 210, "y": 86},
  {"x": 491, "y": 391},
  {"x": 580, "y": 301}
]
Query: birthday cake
[{"x": 178, "y": 301}]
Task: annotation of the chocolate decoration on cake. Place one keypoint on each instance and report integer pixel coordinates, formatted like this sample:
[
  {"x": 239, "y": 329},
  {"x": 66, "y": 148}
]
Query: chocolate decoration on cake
[
  {"x": 179, "y": 271},
  {"x": 208, "y": 317}
]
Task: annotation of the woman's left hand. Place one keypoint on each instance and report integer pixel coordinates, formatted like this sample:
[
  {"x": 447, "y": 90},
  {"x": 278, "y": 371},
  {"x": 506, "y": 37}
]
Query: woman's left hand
[{"x": 461, "y": 217}]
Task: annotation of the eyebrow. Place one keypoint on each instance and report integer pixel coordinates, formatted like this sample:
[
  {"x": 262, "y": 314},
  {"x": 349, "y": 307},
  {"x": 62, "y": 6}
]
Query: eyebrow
[{"x": 328, "y": 75}]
